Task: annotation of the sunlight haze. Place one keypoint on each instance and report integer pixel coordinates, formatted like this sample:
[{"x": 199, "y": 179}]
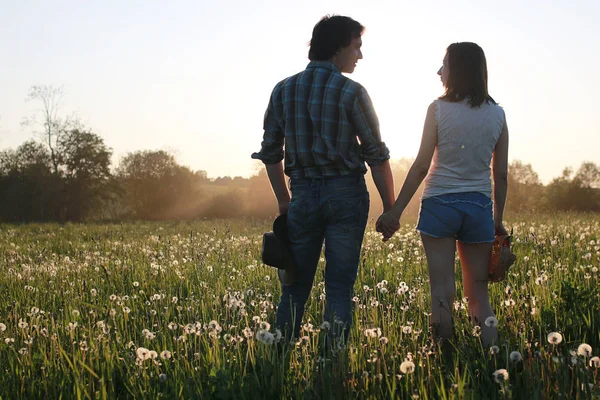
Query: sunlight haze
[{"x": 194, "y": 77}]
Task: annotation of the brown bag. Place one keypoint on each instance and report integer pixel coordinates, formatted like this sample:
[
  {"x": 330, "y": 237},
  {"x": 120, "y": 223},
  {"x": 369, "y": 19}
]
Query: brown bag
[{"x": 501, "y": 258}]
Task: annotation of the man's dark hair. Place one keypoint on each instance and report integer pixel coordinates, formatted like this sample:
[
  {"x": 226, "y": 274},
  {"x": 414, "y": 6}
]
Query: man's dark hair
[
  {"x": 468, "y": 77},
  {"x": 331, "y": 34}
]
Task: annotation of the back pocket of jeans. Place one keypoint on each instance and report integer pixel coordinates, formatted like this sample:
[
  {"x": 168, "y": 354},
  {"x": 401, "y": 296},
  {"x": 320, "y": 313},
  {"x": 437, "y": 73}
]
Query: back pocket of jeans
[
  {"x": 297, "y": 217},
  {"x": 350, "y": 213}
]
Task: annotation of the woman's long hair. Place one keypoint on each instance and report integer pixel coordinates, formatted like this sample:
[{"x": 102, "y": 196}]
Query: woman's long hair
[{"x": 468, "y": 78}]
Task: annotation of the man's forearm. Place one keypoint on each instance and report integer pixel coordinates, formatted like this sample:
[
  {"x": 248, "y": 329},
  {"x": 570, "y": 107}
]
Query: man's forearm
[
  {"x": 384, "y": 181},
  {"x": 277, "y": 179}
]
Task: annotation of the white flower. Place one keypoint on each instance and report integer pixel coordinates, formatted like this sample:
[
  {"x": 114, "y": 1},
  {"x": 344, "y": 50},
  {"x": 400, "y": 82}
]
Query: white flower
[
  {"x": 585, "y": 350},
  {"x": 165, "y": 354},
  {"x": 214, "y": 326},
  {"x": 148, "y": 335},
  {"x": 407, "y": 367},
  {"x": 494, "y": 349},
  {"x": 126, "y": 310},
  {"x": 500, "y": 375},
  {"x": 383, "y": 340},
  {"x": 136, "y": 284},
  {"x": 2, "y": 327},
  {"x": 142, "y": 353},
  {"x": 265, "y": 337},
  {"x": 595, "y": 362},
  {"x": 247, "y": 332},
  {"x": 75, "y": 313},
  {"x": 491, "y": 322},
  {"x": 22, "y": 324},
  {"x": 264, "y": 325},
  {"x": 71, "y": 327},
  {"x": 555, "y": 338},
  {"x": 172, "y": 326},
  {"x": 515, "y": 356}
]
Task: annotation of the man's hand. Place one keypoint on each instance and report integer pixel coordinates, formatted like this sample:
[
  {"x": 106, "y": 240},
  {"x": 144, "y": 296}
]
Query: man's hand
[
  {"x": 387, "y": 224},
  {"x": 283, "y": 207}
]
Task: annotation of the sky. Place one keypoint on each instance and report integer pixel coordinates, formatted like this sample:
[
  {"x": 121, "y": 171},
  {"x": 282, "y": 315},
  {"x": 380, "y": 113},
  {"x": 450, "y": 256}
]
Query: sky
[{"x": 194, "y": 77}]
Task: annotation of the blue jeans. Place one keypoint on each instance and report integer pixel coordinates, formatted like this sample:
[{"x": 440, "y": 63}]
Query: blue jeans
[
  {"x": 334, "y": 210},
  {"x": 468, "y": 217}
]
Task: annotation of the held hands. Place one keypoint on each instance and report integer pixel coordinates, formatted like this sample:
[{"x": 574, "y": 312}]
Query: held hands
[{"x": 387, "y": 224}]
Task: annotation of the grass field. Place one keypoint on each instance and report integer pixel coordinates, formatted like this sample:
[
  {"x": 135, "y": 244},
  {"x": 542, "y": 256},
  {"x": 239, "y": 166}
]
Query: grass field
[{"x": 185, "y": 310}]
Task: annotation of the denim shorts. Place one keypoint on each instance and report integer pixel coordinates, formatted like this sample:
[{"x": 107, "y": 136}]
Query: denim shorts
[{"x": 468, "y": 217}]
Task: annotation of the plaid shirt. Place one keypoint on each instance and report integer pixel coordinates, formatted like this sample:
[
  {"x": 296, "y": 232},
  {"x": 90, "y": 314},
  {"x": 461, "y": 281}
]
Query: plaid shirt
[{"x": 321, "y": 115}]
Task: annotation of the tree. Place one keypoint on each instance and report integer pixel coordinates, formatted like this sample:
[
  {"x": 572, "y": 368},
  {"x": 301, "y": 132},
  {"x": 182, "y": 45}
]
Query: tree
[
  {"x": 525, "y": 191},
  {"x": 85, "y": 166},
  {"x": 156, "y": 186},
  {"x": 52, "y": 125},
  {"x": 588, "y": 175},
  {"x": 28, "y": 189},
  {"x": 575, "y": 192}
]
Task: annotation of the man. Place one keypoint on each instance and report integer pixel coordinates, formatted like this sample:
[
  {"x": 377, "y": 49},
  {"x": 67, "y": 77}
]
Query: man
[{"x": 329, "y": 128}]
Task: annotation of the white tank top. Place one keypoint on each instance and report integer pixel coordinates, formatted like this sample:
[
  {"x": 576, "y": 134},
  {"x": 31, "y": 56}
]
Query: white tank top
[{"x": 466, "y": 138}]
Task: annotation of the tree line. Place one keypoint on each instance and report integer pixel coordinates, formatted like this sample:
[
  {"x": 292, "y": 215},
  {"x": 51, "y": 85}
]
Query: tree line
[{"x": 66, "y": 175}]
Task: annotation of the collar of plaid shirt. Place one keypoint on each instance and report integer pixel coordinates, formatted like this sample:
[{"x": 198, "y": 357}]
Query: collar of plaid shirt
[{"x": 323, "y": 64}]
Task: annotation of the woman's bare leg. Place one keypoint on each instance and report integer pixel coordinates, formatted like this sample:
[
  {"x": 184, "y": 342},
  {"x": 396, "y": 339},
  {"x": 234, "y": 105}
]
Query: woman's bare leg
[
  {"x": 440, "y": 262},
  {"x": 475, "y": 260}
]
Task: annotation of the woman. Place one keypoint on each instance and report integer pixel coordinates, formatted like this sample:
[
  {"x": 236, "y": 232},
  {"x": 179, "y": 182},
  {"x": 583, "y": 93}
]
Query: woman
[{"x": 465, "y": 131}]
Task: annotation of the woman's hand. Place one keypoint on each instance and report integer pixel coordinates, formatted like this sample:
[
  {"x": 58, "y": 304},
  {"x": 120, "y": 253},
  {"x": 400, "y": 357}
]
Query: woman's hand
[
  {"x": 500, "y": 229},
  {"x": 387, "y": 224}
]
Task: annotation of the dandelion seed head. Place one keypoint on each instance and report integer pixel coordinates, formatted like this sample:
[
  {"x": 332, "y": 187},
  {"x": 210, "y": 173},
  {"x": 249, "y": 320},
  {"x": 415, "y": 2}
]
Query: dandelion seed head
[
  {"x": 500, "y": 375},
  {"x": 407, "y": 367},
  {"x": 585, "y": 350},
  {"x": 265, "y": 337},
  {"x": 515, "y": 356},
  {"x": 264, "y": 325},
  {"x": 554, "y": 338},
  {"x": 491, "y": 322}
]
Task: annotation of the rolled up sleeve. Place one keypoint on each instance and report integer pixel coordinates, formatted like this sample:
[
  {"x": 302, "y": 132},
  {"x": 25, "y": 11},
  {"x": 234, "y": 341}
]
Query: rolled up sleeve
[
  {"x": 373, "y": 149},
  {"x": 271, "y": 151}
]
